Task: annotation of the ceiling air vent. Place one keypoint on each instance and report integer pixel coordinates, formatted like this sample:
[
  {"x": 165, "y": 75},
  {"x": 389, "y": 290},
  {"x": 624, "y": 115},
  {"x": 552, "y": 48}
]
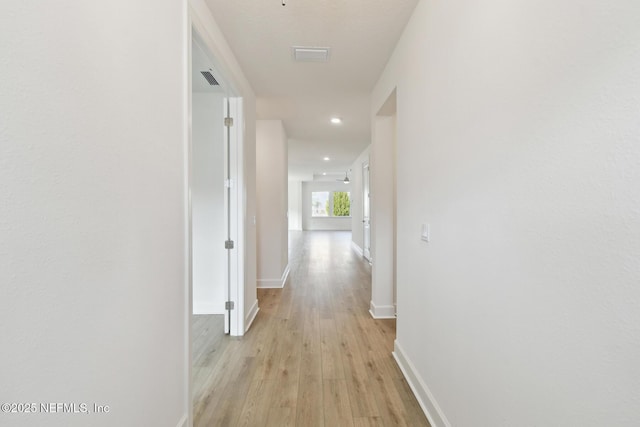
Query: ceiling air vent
[
  {"x": 310, "y": 54},
  {"x": 209, "y": 77}
]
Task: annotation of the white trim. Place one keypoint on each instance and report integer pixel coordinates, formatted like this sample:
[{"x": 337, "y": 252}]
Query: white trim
[
  {"x": 425, "y": 398},
  {"x": 183, "y": 421},
  {"x": 357, "y": 249},
  {"x": 236, "y": 134},
  {"x": 270, "y": 284},
  {"x": 274, "y": 283},
  {"x": 252, "y": 315},
  {"x": 188, "y": 94},
  {"x": 285, "y": 275},
  {"x": 382, "y": 311},
  {"x": 208, "y": 308}
]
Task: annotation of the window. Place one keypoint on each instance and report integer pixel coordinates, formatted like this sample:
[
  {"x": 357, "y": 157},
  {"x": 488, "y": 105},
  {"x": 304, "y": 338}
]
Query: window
[
  {"x": 330, "y": 203},
  {"x": 320, "y": 203}
]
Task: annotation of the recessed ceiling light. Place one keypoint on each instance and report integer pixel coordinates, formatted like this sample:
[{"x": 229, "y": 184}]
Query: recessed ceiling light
[
  {"x": 326, "y": 159},
  {"x": 324, "y": 173},
  {"x": 336, "y": 120}
]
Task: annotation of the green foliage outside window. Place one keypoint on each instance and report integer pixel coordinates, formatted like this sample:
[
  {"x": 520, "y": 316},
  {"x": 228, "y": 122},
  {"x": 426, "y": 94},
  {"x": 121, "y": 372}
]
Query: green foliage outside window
[
  {"x": 341, "y": 204},
  {"x": 330, "y": 203}
]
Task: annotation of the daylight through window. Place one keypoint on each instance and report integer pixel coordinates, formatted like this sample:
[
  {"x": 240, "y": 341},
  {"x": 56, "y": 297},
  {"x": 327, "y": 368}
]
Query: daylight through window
[{"x": 330, "y": 203}]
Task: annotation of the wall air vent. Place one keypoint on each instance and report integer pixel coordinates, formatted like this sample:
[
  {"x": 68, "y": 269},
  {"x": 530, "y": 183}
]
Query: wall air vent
[
  {"x": 209, "y": 77},
  {"x": 310, "y": 54}
]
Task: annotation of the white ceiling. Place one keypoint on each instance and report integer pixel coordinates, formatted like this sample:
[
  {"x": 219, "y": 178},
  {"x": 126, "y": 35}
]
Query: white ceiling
[{"x": 305, "y": 95}]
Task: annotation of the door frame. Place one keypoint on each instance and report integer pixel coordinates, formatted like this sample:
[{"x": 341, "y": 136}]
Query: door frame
[
  {"x": 366, "y": 201},
  {"x": 236, "y": 201}
]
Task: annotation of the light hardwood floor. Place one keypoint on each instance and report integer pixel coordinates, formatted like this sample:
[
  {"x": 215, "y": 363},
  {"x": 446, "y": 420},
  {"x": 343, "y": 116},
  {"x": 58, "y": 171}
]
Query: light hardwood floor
[{"x": 313, "y": 357}]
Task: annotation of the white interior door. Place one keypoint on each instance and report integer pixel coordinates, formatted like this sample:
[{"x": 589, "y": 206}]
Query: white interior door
[
  {"x": 215, "y": 181},
  {"x": 210, "y": 269},
  {"x": 366, "y": 209},
  {"x": 234, "y": 123}
]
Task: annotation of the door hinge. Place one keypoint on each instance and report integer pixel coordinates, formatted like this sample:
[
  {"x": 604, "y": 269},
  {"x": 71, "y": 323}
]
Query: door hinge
[
  {"x": 229, "y": 305},
  {"x": 228, "y": 244},
  {"x": 228, "y": 121},
  {"x": 228, "y": 183}
]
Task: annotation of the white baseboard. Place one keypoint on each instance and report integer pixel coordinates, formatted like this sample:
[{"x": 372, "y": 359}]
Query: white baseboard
[
  {"x": 357, "y": 249},
  {"x": 183, "y": 421},
  {"x": 382, "y": 311},
  {"x": 252, "y": 315},
  {"x": 208, "y": 308},
  {"x": 425, "y": 398},
  {"x": 274, "y": 283}
]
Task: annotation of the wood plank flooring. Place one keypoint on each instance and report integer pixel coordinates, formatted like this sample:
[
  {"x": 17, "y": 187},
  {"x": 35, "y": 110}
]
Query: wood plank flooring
[{"x": 313, "y": 357}]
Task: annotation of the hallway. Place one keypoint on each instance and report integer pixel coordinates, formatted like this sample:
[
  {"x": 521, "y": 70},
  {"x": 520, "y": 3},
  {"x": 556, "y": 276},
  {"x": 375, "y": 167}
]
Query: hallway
[{"x": 314, "y": 356}]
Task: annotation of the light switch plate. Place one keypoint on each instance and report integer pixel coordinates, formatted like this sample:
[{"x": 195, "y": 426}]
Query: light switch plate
[{"x": 426, "y": 232}]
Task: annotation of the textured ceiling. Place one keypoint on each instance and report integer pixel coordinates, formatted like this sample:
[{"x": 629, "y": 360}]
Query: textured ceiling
[{"x": 305, "y": 95}]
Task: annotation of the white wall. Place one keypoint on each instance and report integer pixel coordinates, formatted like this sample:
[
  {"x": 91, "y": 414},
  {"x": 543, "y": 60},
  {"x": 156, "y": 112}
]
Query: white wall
[
  {"x": 272, "y": 199},
  {"x": 207, "y": 204},
  {"x": 93, "y": 219},
  {"x": 518, "y": 141},
  {"x": 322, "y": 223},
  {"x": 357, "y": 230},
  {"x": 295, "y": 205}
]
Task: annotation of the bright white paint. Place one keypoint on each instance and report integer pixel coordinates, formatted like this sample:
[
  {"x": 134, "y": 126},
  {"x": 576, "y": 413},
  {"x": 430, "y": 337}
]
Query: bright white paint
[
  {"x": 243, "y": 131},
  {"x": 235, "y": 219},
  {"x": 250, "y": 215},
  {"x": 93, "y": 270},
  {"x": 275, "y": 283},
  {"x": 251, "y": 315},
  {"x": 383, "y": 213},
  {"x": 207, "y": 204},
  {"x": 366, "y": 211},
  {"x": 295, "y": 205},
  {"x": 519, "y": 143},
  {"x": 361, "y": 34},
  {"x": 357, "y": 203},
  {"x": 272, "y": 183}
]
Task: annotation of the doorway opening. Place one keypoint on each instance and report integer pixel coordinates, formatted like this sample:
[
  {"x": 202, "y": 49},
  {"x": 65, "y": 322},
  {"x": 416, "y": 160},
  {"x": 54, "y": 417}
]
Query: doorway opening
[
  {"x": 214, "y": 213},
  {"x": 209, "y": 221},
  {"x": 383, "y": 212}
]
